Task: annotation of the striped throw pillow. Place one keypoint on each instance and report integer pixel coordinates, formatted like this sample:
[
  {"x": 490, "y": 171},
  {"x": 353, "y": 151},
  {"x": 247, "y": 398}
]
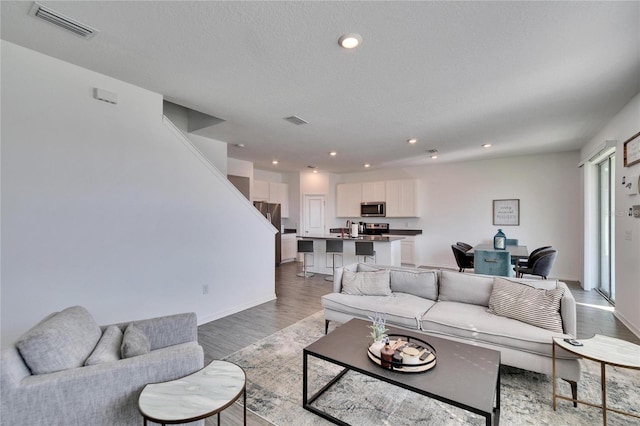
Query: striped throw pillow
[{"x": 528, "y": 304}]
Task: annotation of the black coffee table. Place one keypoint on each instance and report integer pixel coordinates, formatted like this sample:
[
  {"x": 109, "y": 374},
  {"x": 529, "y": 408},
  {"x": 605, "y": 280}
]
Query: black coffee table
[{"x": 465, "y": 376}]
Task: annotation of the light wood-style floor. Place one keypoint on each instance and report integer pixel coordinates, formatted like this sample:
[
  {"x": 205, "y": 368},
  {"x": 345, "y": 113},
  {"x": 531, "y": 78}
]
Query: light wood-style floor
[{"x": 297, "y": 298}]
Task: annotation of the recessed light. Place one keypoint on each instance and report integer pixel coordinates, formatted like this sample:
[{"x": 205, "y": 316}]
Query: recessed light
[
  {"x": 349, "y": 41},
  {"x": 274, "y": 162},
  {"x": 412, "y": 141},
  {"x": 367, "y": 165},
  {"x": 315, "y": 171},
  {"x": 486, "y": 145},
  {"x": 239, "y": 145},
  {"x": 333, "y": 153},
  {"x": 434, "y": 156}
]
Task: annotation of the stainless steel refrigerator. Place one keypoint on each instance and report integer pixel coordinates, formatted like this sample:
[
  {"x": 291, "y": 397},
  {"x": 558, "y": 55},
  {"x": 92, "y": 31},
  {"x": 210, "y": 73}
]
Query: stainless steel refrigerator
[{"x": 272, "y": 212}]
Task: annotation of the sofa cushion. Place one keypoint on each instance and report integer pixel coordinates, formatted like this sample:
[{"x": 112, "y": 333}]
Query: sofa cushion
[
  {"x": 365, "y": 267},
  {"x": 534, "y": 306},
  {"x": 375, "y": 283},
  {"x": 134, "y": 342},
  {"x": 419, "y": 283},
  {"x": 476, "y": 323},
  {"x": 465, "y": 288},
  {"x": 401, "y": 309},
  {"x": 108, "y": 347},
  {"x": 59, "y": 342}
]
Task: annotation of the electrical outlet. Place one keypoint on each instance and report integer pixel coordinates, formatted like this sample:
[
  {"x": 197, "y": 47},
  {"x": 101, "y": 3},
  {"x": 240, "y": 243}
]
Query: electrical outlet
[{"x": 205, "y": 288}]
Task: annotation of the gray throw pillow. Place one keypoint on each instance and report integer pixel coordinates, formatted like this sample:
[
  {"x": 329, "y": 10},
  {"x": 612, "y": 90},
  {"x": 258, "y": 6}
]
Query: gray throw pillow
[
  {"x": 108, "y": 348},
  {"x": 366, "y": 283},
  {"x": 59, "y": 342},
  {"x": 531, "y": 305},
  {"x": 419, "y": 283},
  {"x": 134, "y": 342}
]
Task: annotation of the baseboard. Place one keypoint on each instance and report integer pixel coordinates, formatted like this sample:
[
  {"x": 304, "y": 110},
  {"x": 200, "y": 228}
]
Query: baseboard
[
  {"x": 627, "y": 323},
  {"x": 203, "y": 319}
]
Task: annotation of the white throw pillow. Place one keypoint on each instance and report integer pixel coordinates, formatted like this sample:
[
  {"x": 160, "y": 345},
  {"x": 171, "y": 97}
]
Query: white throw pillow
[
  {"x": 524, "y": 303},
  {"x": 374, "y": 283}
]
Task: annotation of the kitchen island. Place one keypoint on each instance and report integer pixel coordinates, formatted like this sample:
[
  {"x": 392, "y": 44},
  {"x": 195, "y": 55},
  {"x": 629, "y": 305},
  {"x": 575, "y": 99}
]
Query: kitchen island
[{"x": 387, "y": 251}]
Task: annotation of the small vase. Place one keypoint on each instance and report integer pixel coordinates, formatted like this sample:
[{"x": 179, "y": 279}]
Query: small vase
[{"x": 376, "y": 346}]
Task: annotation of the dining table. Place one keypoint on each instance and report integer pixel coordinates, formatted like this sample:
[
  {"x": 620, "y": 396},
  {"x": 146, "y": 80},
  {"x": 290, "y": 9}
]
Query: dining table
[{"x": 517, "y": 252}]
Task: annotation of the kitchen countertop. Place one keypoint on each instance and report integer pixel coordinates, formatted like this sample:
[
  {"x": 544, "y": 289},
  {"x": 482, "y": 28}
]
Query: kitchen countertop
[
  {"x": 410, "y": 232},
  {"x": 377, "y": 238}
]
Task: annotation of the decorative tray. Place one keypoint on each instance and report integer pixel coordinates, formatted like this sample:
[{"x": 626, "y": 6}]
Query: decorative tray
[{"x": 426, "y": 355}]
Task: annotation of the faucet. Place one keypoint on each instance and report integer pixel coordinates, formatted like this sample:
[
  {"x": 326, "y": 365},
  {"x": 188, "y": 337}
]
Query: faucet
[{"x": 349, "y": 227}]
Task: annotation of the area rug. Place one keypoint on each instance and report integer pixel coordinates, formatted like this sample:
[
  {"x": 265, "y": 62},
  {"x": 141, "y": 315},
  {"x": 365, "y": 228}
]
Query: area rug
[{"x": 274, "y": 391}]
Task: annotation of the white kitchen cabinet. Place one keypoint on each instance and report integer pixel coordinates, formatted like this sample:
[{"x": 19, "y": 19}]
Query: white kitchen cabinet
[
  {"x": 279, "y": 193},
  {"x": 289, "y": 247},
  {"x": 260, "y": 190},
  {"x": 272, "y": 192},
  {"x": 374, "y": 191},
  {"x": 402, "y": 198},
  {"x": 348, "y": 199},
  {"x": 409, "y": 249}
]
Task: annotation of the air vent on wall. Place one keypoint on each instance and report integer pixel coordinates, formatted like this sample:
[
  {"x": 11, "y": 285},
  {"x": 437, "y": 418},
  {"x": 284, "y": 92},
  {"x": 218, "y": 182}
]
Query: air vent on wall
[
  {"x": 64, "y": 22},
  {"x": 294, "y": 119}
]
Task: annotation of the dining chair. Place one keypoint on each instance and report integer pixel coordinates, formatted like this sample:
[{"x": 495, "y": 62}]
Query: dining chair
[
  {"x": 463, "y": 261},
  {"x": 540, "y": 264},
  {"x": 465, "y": 246},
  {"x": 525, "y": 262},
  {"x": 492, "y": 262}
]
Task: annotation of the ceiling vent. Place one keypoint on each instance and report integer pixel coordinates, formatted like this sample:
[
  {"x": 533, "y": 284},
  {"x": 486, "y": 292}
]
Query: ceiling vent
[
  {"x": 294, "y": 119},
  {"x": 64, "y": 22}
]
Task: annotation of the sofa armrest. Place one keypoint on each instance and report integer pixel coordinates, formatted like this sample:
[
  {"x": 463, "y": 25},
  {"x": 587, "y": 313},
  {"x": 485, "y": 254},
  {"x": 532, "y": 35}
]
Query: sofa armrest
[
  {"x": 101, "y": 394},
  {"x": 167, "y": 330},
  {"x": 568, "y": 311}
]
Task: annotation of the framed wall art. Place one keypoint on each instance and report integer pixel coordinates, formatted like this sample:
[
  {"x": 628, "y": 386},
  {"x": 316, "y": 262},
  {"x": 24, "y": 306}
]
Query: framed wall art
[
  {"x": 632, "y": 150},
  {"x": 506, "y": 212}
]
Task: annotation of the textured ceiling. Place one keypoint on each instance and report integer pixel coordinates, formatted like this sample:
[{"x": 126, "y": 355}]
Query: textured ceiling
[{"x": 528, "y": 77}]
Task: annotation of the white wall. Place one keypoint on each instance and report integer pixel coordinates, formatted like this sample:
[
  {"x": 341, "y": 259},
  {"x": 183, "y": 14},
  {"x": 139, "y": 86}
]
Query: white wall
[
  {"x": 215, "y": 151},
  {"x": 455, "y": 201},
  {"x": 627, "y": 229},
  {"x": 104, "y": 207}
]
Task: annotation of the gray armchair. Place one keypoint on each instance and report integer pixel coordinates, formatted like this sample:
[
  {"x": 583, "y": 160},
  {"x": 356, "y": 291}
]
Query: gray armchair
[{"x": 105, "y": 393}]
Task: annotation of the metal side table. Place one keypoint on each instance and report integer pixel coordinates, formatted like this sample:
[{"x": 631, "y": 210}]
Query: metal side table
[{"x": 605, "y": 350}]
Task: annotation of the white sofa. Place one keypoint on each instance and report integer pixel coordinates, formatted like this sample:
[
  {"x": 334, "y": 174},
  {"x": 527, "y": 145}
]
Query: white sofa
[{"x": 455, "y": 306}]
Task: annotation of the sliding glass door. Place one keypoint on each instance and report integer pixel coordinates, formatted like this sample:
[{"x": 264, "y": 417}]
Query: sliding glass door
[{"x": 607, "y": 217}]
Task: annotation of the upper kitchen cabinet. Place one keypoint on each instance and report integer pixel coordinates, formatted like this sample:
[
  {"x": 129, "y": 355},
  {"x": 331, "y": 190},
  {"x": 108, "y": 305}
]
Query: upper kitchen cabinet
[
  {"x": 279, "y": 193},
  {"x": 260, "y": 190},
  {"x": 402, "y": 198},
  {"x": 272, "y": 192},
  {"x": 348, "y": 199},
  {"x": 373, "y": 191}
]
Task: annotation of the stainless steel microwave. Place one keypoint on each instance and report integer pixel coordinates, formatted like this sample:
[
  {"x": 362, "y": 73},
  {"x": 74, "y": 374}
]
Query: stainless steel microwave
[{"x": 373, "y": 209}]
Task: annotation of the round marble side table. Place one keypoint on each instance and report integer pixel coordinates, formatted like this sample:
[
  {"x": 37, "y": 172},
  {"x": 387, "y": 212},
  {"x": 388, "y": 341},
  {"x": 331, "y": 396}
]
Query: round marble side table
[
  {"x": 605, "y": 350},
  {"x": 194, "y": 397}
]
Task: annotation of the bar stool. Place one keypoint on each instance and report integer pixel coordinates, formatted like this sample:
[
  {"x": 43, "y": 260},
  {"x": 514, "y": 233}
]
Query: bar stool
[
  {"x": 305, "y": 247},
  {"x": 333, "y": 247},
  {"x": 365, "y": 249}
]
